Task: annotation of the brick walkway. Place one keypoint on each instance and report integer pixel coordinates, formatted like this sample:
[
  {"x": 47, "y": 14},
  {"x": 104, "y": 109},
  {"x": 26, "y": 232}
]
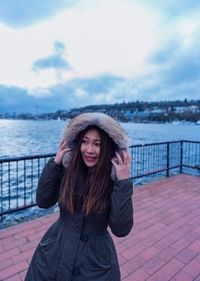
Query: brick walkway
[{"x": 163, "y": 245}]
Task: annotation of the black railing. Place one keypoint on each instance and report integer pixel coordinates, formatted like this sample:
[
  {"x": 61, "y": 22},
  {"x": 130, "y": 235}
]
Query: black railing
[
  {"x": 154, "y": 158},
  {"x": 19, "y": 176},
  {"x": 18, "y": 181}
]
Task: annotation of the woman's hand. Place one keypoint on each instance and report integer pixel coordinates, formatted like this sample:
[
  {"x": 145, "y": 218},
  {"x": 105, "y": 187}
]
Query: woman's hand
[
  {"x": 123, "y": 166},
  {"x": 61, "y": 151}
]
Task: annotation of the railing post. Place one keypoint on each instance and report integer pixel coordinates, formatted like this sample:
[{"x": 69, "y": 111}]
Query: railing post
[
  {"x": 167, "y": 172},
  {"x": 181, "y": 157},
  {"x": 131, "y": 168}
]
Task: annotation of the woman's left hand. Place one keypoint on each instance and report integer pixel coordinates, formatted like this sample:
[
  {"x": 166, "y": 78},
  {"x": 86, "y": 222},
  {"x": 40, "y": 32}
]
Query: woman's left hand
[{"x": 123, "y": 166}]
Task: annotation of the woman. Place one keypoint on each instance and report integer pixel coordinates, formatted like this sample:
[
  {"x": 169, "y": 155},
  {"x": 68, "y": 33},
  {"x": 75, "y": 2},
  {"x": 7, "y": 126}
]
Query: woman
[{"x": 89, "y": 178}]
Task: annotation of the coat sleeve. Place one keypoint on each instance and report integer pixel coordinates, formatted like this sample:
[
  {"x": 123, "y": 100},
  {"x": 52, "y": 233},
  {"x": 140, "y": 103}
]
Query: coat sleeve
[
  {"x": 121, "y": 210},
  {"x": 49, "y": 185}
]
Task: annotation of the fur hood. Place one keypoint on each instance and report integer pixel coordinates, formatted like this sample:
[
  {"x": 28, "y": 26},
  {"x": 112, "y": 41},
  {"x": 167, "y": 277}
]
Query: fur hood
[{"x": 103, "y": 121}]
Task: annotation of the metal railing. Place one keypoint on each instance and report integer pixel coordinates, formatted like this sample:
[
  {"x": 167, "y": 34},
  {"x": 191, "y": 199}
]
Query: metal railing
[
  {"x": 19, "y": 176},
  {"x": 18, "y": 182},
  {"x": 165, "y": 157}
]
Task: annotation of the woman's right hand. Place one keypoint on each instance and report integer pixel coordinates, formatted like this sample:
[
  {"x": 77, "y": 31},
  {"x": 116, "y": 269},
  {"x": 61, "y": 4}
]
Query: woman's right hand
[{"x": 61, "y": 151}]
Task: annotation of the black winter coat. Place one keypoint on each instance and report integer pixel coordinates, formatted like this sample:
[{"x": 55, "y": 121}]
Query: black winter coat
[{"x": 78, "y": 247}]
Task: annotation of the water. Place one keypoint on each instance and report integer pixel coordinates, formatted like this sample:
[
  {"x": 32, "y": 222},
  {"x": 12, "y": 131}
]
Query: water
[{"x": 27, "y": 137}]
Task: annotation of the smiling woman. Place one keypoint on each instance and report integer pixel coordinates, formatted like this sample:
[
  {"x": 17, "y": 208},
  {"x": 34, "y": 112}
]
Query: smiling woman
[{"x": 78, "y": 245}]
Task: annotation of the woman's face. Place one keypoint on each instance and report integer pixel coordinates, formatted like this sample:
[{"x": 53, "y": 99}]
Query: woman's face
[{"x": 90, "y": 148}]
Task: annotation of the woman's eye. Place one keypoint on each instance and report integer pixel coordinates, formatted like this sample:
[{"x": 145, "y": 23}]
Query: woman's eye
[
  {"x": 84, "y": 141},
  {"x": 98, "y": 144}
]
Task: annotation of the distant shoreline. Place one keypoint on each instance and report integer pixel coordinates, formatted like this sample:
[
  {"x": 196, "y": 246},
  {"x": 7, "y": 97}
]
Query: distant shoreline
[{"x": 134, "y": 122}]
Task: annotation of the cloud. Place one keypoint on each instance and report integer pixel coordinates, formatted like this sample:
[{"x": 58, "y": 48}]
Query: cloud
[
  {"x": 75, "y": 93},
  {"x": 166, "y": 52},
  {"x": 39, "y": 92},
  {"x": 96, "y": 90},
  {"x": 55, "y": 61},
  {"x": 59, "y": 47},
  {"x": 97, "y": 42},
  {"x": 85, "y": 91},
  {"x": 103, "y": 51},
  {"x": 14, "y": 99},
  {"x": 172, "y": 9},
  {"x": 97, "y": 84},
  {"x": 21, "y": 13},
  {"x": 175, "y": 64},
  {"x": 174, "y": 67},
  {"x": 184, "y": 69},
  {"x": 81, "y": 93}
]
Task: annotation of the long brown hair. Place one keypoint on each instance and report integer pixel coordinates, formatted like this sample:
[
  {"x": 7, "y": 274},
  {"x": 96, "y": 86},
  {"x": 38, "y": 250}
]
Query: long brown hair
[{"x": 97, "y": 180}]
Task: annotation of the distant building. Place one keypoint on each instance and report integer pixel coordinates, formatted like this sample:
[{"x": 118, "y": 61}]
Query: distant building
[
  {"x": 190, "y": 108},
  {"x": 158, "y": 110}
]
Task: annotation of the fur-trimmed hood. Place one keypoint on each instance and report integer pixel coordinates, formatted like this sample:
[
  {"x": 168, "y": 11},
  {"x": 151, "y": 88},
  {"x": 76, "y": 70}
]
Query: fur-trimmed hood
[{"x": 103, "y": 121}]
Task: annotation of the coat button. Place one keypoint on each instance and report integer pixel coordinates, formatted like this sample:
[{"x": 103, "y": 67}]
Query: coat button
[{"x": 84, "y": 237}]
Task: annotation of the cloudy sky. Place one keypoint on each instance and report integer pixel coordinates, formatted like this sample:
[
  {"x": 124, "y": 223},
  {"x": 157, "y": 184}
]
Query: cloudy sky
[{"x": 71, "y": 53}]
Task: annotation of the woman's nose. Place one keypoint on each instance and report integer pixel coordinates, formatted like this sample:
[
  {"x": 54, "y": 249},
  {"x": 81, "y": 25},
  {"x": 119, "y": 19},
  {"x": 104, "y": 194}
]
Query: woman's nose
[{"x": 90, "y": 148}]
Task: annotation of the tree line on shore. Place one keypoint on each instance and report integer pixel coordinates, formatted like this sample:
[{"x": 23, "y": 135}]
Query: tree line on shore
[{"x": 138, "y": 111}]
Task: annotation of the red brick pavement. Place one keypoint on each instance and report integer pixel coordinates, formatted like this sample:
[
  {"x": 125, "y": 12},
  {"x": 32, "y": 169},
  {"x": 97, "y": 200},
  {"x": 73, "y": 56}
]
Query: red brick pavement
[{"x": 163, "y": 245}]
